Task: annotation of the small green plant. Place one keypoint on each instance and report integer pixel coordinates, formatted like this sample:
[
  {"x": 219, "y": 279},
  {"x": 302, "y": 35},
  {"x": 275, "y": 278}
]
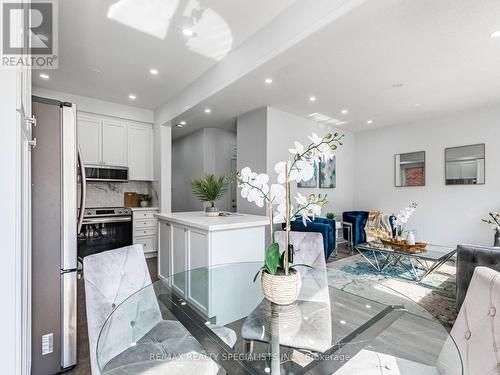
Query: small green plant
[
  {"x": 209, "y": 188},
  {"x": 330, "y": 215},
  {"x": 275, "y": 263}
]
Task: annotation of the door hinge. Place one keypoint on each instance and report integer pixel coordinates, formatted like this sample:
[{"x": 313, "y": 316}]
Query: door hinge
[
  {"x": 31, "y": 120},
  {"x": 32, "y": 143}
]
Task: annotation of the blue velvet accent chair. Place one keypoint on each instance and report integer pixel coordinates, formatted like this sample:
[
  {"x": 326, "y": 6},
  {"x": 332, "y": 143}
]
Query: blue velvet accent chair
[
  {"x": 320, "y": 225},
  {"x": 358, "y": 221}
]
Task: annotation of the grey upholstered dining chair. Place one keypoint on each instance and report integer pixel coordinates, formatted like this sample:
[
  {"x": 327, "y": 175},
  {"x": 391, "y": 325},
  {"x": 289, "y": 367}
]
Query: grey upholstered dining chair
[
  {"x": 110, "y": 278},
  {"x": 307, "y": 321},
  {"x": 477, "y": 329}
]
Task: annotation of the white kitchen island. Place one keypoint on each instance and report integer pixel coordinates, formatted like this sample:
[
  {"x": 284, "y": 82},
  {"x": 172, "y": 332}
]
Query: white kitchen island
[{"x": 190, "y": 240}]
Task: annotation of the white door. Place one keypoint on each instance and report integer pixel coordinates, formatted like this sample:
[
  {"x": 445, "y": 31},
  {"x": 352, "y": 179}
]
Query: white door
[
  {"x": 140, "y": 152},
  {"x": 179, "y": 258},
  {"x": 114, "y": 143},
  {"x": 198, "y": 275},
  {"x": 164, "y": 249},
  {"x": 90, "y": 139}
]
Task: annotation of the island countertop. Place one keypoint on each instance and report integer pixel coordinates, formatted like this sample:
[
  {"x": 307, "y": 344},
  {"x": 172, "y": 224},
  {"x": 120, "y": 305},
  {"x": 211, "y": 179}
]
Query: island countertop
[{"x": 198, "y": 219}]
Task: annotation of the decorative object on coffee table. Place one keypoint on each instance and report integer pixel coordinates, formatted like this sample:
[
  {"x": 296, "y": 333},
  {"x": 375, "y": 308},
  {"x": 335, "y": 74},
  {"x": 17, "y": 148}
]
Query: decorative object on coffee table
[
  {"x": 281, "y": 282},
  {"x": 403, "y": 216},
  {"x": 495, "y": 221},
  {"x": 330, "y": 215},
  {"x": 210, "y": 188}
]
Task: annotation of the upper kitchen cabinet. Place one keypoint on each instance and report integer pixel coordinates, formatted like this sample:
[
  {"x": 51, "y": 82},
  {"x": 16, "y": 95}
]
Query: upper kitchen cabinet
[
  {"x": 90, "y": 139},
  {"x": 114, "y": 143},
  {"x": 140, "y": 152}
]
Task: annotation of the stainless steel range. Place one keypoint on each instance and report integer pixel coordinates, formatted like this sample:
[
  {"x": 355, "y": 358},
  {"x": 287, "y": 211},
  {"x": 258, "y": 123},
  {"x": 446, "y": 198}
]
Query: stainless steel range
[{"x": 104, "y": 228}]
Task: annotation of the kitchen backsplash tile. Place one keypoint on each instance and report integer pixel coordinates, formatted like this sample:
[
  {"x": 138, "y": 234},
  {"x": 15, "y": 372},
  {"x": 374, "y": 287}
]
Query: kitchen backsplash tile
[{"x": 110, "y": 194}]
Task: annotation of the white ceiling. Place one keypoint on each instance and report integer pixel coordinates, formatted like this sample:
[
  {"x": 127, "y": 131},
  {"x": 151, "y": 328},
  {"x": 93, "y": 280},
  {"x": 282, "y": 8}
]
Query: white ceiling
[
  {"x": 106, "y": 47},
  {"x": 440, "y": 51}
]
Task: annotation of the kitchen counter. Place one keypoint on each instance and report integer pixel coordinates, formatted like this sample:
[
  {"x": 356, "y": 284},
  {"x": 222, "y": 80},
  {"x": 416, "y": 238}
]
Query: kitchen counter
[{"x": 198, "y": 219}]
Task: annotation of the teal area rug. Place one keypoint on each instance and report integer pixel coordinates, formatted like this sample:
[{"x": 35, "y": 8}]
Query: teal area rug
[{"x": 435, "y": 293}]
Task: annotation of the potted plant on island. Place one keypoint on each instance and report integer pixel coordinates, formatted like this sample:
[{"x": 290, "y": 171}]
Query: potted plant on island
[
  {"x": 210, "y": 188},
  {"x": 281, "y": 282}
]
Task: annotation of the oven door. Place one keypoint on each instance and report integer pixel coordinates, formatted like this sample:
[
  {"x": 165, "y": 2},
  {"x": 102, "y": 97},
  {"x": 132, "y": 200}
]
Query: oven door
[{"x": 99, "y": 234}]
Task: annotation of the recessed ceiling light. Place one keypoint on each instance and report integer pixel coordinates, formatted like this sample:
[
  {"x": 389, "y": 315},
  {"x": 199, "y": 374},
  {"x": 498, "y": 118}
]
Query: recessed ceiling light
[
  {"x": 132, "y": 97},
  {"x": 417, "y": 105},
  {"x": 342, "y": 322},
  {"x": 312, "y": 98},
  {"x": 268, "y": 81},
  {"x": 369, "y": 122},
  {"x": 495, "y": 34},
  {"x": 180, "y": 125},
  {"x": 344, "y": 111},
  {"x": 187, "y": 32},
  {"x": 208, "y": 110},
  {"x": 44, "y": 76},
  {"x": 153, "y": 71},
  {"x": 397, "y": 85}
]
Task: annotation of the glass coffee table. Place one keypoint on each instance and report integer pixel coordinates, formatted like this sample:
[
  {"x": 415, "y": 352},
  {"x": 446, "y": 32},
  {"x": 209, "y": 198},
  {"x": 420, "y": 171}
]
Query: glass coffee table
[
  {"x": 419, "y": 264},
  {"x": 214, "y": 320}
]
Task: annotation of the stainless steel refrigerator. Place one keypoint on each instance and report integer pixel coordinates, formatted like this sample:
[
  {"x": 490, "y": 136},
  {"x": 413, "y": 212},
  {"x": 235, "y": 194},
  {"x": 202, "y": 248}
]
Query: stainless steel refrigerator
[{"x": 54, "y": 237}]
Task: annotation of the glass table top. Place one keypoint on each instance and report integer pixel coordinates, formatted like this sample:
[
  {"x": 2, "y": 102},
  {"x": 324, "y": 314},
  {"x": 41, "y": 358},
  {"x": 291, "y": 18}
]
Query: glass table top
[
  {"x": 211, "y": 320},
  {"x": 430, "y": 252}
]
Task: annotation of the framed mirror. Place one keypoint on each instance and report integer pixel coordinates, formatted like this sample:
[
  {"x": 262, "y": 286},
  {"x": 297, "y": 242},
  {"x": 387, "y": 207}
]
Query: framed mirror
[
  {"x": 464, "y": 165},
  {"x": 409, "y": 169}
]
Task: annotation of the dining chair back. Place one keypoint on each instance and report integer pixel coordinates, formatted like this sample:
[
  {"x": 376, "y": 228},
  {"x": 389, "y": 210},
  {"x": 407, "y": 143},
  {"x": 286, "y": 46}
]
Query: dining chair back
[
  {"x": 110, "y": 278},
  {"x": 476, "y": 331}
]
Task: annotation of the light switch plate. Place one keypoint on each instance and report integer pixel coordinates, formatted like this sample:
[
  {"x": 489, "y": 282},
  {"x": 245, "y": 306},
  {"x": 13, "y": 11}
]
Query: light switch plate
[{"x": 47, "y": 343}]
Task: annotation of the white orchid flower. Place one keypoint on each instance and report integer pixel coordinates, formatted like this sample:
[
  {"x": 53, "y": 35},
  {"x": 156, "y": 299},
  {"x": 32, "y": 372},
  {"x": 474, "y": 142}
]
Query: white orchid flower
[
  {"x": 279, "y": 168},
  {"x": 315, "y": 138},
  {"x": 298, "y": 150},
  {"x": 305, "y": 170},
  {"x": 277, "y": 194},
  {"x": 301, "y": 200}
]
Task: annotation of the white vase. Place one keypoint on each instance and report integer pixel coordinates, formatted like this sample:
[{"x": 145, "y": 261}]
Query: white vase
[{"x": 410, "y": 238}]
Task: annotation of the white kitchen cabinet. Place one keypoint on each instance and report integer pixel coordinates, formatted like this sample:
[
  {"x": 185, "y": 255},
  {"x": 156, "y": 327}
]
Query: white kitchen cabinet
[
  {"x": 114, "y": 143},
  {"x": 90, "y": 139},
  {"x": 144, "y": 227},
  {"x": 192, "y": 241},
  {"x": 140, "y": 152}
]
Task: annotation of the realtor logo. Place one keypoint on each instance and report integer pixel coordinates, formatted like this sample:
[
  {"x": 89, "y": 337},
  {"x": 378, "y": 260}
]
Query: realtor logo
[{"x": 29, "y": 34}]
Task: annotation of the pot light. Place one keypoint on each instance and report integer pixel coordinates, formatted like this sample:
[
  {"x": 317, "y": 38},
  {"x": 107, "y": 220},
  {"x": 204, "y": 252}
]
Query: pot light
[
  {"x": 180, "y": 124},
  {"x": 495, "y": 34},
  {"x": 344, "y": 111},
  {"x": 208, "y": 110},
  {"x": 312, "y": 98},
  {"x": 342, "y": 322},
  {"x": 153, "y": 71},
  {"x": 132, "y": 97},
  {"x": 268, "y": 81},
  {"x": 44, "y": 76},
  {"x": 417, "y": 105},
  {"x": 187, "y": 32},
  {"x": 369, "y": 122}
]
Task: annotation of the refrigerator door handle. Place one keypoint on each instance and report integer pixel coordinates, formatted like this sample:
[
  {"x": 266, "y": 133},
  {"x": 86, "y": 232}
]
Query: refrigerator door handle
[{"x": 83, "y": 196}]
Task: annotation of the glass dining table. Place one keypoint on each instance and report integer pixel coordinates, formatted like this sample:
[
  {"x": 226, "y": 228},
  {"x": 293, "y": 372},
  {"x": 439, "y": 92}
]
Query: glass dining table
[{"x": 215, "y": 320}]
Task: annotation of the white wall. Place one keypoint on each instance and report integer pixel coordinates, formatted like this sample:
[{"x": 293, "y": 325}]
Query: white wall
[
  {"x": 264, "y": 137},
  {"x": 205, "y": 151},
  {"x": 251, "y": 137},
  {"x": 187, "y": 164},
  {"x": 10, "y": 225},
  {"x": 446, "y": 214},
  {"x": 284, "y": 128}
]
